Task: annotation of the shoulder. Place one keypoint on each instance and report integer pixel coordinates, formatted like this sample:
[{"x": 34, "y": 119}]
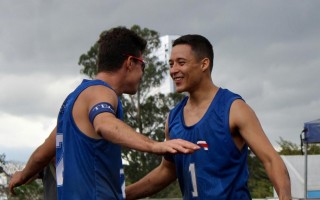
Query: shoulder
[
  {"x": 94, "y": 92},
  {"x": 97, "y": 90},
  {"x": 228, "y": 95},
  {"x": 241, "y": 114}
]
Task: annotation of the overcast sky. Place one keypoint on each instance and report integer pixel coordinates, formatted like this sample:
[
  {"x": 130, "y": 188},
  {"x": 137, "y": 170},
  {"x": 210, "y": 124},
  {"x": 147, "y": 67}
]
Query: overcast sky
[{"x": 266, "y": 51}]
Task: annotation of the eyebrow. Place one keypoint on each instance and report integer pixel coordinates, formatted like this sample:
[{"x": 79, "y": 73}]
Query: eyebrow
[{"x": 178, "y": 59}]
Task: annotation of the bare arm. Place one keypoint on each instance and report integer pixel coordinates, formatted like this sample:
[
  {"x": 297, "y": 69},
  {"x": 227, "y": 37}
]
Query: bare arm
[
  {"x": 243, "y": 118},
  {"x": 37, "y": 161},
  {"x": 153, "y": 182}
]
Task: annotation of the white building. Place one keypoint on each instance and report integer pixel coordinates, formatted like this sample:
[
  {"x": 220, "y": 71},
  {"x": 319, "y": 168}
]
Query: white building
[
  {"x": 296, "y": 168},
  {"x": 163, "y": 54}
]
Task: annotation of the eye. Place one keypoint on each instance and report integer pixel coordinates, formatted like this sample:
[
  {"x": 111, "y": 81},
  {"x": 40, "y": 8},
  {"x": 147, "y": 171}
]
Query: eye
[
  {"x": 181, "y": 63},
  {"x": 170, "y": 64}
]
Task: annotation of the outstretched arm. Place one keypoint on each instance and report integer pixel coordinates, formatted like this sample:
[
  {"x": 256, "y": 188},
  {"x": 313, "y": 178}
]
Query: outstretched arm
[
  {"x": 37, "y": 161},
  {"x": 118, "y": 132},
  {"x": 243, "y": 118}
]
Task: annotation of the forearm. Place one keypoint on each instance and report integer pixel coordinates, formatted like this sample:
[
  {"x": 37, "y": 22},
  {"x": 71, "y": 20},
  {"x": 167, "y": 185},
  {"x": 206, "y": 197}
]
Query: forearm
[
  {"x": 40, "y": 157},
  {"x": 34, "y": 165},
  {"x": 279, "y": 176},
  {"x": 119, "y": 133},
  {"x": 141, "y": 189},
  {"x": 152, "y": 183}
]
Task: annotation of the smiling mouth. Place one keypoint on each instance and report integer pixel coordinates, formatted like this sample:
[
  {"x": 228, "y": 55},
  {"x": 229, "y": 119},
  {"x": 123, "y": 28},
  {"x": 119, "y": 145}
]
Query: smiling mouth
[{"x": 177, "y": 78}]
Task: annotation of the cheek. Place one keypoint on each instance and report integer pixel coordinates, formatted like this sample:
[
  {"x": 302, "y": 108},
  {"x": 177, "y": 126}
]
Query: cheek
[
  {"x": 170, "y": 70},
  {"x": 138, "y": 79},
  {"x": 140, "y": 76}
]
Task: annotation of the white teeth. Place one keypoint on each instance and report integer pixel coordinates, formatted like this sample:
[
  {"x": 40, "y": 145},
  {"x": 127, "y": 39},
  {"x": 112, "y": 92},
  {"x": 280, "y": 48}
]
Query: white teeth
[{"x": 177, "y": 78}]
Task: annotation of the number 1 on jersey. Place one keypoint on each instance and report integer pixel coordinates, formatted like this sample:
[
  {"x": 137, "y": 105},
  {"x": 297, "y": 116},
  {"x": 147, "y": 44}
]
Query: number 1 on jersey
[{"x": 193, "y": 180}]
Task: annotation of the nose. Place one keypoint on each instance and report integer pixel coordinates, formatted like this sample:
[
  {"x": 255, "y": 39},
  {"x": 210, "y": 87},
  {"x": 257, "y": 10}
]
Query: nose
[
  {"x": 172, "y": 72},
  {"x": 173, "y": 69}
]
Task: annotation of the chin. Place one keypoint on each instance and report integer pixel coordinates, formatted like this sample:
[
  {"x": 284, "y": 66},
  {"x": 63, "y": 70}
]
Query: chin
[
  {"x": 132, "y": 92},
  {"x": 135, "y": 90},
  {"x": 180, "y": 89}
]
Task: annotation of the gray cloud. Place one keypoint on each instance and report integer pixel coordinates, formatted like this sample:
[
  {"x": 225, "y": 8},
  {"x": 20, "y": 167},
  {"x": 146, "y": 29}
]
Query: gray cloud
[{"x": 267, "y": 51}]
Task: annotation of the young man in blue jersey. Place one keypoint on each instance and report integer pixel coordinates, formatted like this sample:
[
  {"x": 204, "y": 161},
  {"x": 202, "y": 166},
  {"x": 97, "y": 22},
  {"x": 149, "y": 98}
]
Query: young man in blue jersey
[
  {"x": 90, "y": 132},
  {"x": 221, "y": 123}
]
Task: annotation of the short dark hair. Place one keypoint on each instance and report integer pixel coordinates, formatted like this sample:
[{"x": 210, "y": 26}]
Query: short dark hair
[
  {"x": 200, "y": 45},
  {"x": 115, "y": 44}
]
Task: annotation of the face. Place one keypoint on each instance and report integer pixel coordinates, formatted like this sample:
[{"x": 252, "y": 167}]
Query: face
[{"x": 185, "y": 70}]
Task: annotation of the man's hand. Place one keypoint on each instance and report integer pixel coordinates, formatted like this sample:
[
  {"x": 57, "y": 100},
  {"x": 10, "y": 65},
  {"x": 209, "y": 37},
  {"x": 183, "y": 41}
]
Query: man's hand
[
  {"x": 15, "y": 181},
  {"x": 174, "y": 146}
]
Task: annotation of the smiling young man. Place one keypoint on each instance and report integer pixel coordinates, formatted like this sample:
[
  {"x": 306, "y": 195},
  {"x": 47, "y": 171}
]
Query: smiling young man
[{"x": 221, "y": 123}]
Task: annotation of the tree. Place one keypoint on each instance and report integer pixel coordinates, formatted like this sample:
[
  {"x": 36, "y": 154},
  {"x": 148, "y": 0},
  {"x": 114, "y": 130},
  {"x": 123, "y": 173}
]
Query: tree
[
  {"x": 30, "y": 191},
  {"x": 289, "y": 148},
  {"x": 258, "y": 183},
  {"x": 144, "y": 112},
  {"x": 3, "y": 190},
  {"x": 313, "y": 149},
  {"x": 2, "y": 159}
]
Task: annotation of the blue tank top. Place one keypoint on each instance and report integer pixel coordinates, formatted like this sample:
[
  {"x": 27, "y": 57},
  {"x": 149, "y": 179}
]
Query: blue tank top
[
  {"x": 86, "y": 168},
  {"x": 219, "y": 169}
]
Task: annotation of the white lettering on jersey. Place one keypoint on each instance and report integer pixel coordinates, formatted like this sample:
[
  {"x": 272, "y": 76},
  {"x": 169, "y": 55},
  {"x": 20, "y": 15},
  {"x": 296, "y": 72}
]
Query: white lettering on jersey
[{"x": 60, "y": 166}]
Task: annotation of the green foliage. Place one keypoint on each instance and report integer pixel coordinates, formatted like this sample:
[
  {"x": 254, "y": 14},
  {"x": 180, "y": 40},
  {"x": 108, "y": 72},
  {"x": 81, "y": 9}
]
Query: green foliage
[
  {"x": 289, "y": 148},
  {"x": 2, "y": 159},
  {"x": 144, "y": 112},
  {"x": 259, "y": 183},
  {"x": 313, "y": 149},
  {"x": 3, "y": 189},
  {"x": 88, "y": 61},
  {"x": 31, "y": 191}
]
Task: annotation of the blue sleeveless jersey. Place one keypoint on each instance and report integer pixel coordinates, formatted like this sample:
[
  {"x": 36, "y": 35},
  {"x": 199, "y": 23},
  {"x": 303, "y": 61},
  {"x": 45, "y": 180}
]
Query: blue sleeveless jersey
[
  {"x": 87, "y": 168},
  {"x": 219, "y": 169}
]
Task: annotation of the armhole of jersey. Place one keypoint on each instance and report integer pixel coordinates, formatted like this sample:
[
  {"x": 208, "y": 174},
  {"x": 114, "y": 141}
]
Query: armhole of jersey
[
  {"x": 228, "y": 109},
  {"x": 227, "y": 118}
]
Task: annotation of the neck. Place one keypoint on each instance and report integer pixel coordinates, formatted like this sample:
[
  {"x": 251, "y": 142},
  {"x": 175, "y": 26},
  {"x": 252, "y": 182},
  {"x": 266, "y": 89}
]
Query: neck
[
  {"x": 206, "y": 93},
  {"x": 113, "y": 79}
]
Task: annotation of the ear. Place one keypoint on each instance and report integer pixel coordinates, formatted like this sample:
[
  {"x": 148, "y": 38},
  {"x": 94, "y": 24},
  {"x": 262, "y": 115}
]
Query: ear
[
  {"x": 205, "y": 64},
  {"x": 129, "y": 64}
]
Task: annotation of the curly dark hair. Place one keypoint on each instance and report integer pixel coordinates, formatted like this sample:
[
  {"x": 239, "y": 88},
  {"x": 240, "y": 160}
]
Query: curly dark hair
[{"x": 115, "y": 44}]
